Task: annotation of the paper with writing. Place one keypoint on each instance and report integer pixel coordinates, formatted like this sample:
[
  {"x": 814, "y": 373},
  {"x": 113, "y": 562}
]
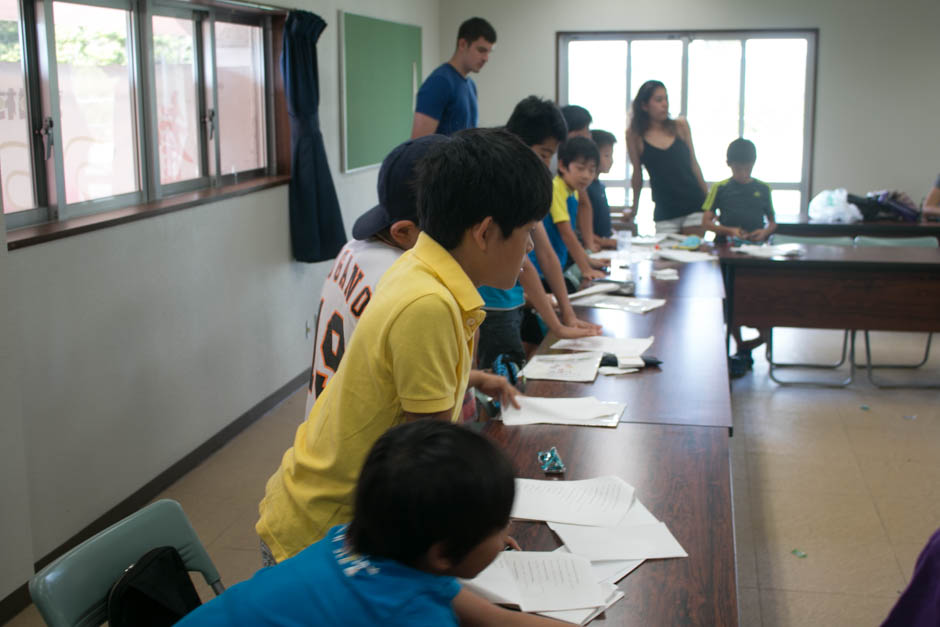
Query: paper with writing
[{"x": 602, "y": 501}]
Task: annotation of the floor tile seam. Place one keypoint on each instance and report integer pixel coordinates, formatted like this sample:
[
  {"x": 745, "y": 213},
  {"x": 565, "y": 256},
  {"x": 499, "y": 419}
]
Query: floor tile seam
[{"x": 841, "y": 594}]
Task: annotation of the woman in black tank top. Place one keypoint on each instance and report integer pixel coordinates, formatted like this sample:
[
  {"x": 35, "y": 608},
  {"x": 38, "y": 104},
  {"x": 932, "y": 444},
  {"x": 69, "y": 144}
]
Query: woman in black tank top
[{"x": 664, "y": 146}]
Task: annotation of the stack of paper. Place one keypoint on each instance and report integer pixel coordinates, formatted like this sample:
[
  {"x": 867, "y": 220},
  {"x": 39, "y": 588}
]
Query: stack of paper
[
  {"x": 780, "y": 250},
  {"x": 587, "y": 411},
  {"x": 666, "y": 274},
  {"x": 627, "y": 349},
  {"x": 626, "y": 303},
  {"x": 607, "y": 534},
  {"x": 684, "y": 256},
  {"x": 597, "y": 288},
  {"x": 580, "y": 367}
]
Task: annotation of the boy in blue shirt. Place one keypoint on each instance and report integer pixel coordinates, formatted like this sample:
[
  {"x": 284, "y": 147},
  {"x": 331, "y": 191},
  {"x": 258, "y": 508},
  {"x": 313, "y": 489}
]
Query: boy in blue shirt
[
  {"x": 432, "y": 503},
  {"x": 577, "y": 164},
  {"x": 603, "y": 233},
  {"x": 744, "y": 210},
  {"x": 540, "y": 125}
]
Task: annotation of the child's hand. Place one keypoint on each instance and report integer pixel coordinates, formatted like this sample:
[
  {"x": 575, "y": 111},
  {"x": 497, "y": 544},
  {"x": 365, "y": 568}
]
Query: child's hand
[
  {"x": 572, "y": 321},
  {"x": 736, "y": 231},
  {"x": 497, "y": 387},
  {"x": 759, "y": 235},
  {"x": 572, "y": 333},
  {"x": 599, "y": 264},
  {"x": 593, "y": 274}
]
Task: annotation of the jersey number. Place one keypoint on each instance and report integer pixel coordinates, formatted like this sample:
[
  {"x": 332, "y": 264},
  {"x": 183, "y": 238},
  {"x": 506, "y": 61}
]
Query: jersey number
[{"x": 332, "y": 351}]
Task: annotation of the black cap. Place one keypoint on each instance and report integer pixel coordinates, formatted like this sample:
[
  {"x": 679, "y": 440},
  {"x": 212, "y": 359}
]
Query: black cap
[{"x": 397, "y": 196}]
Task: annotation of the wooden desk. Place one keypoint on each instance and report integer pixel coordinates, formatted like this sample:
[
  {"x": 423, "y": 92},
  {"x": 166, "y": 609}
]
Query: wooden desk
[
  {"x": 682, "y": 475},
  {"x": 696, "y": 280},
  {"x": 836, "y": 287},
  {"x": 691, "y": 386},
  {"x": 873, "y": 229}
]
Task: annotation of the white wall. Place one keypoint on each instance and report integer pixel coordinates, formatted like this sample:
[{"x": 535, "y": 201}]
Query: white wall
[
  {"x": 139, "y": 342},
  {"x": 15, "y": 534},
  {"x": 877, "y": 96}
]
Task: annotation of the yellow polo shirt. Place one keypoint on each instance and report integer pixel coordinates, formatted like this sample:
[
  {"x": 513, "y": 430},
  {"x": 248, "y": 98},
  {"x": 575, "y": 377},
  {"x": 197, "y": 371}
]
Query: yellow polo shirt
[
  {"x": 411, "y": 352},
  {"x": 560, "y": 193}
]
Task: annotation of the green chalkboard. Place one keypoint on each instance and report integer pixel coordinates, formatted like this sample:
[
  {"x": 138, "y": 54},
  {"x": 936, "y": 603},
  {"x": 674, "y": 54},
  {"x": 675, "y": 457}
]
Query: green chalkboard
[{"x": 381, "y": 72}]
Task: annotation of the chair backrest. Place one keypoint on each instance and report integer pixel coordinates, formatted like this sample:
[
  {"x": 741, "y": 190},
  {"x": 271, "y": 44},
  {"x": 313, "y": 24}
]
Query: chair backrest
[
  {"x": 777, "y": 238},
  {"x": 73, "y": 590},
  {"x": 926, "y": 241}
]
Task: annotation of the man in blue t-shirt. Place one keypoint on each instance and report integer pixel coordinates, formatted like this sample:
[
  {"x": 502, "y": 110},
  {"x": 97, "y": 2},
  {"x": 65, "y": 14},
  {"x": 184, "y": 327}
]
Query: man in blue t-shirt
[{"x": 447, "y": 100}]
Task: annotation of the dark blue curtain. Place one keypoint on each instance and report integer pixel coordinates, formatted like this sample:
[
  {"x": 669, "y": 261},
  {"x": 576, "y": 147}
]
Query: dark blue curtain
[{"x": 316, "y": 224}]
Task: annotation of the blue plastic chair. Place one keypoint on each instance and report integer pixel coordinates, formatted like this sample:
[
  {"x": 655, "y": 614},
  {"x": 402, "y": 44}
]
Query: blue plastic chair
[
  {"x": 914, "y": 242},
  {"x": 847, "y": 336},
  {"x": 73, "y": 590}
]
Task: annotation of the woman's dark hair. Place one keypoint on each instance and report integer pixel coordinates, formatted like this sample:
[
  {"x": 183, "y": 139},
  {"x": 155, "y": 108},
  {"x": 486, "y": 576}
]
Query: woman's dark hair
[
  {"x": 429, "y": 481},
  {"x": 742, "y": 151},
  {"x": 640, "y": 120},
  {"x": 603, "y": 138},
  {"x": 474, "y": 28},
  {"x": 578, "y": 148},
  {"x": 479, "y": 173},
  {"x": 576, "y": 117},
  {"x": 534, "y": 120}
]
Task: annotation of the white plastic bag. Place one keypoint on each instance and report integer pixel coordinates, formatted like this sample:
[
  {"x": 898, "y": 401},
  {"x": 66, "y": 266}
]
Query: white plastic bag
[{"x": 832, "y": 205}]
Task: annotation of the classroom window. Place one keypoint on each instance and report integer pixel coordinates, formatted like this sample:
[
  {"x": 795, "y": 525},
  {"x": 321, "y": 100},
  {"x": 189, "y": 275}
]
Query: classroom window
[
  {"x": 728, "y": 85},
  {"x": 114, "y": 103},
  {"x": 15, "y": 151}
]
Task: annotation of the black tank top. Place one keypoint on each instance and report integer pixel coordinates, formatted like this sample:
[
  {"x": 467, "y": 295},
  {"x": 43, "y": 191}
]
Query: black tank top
[{"x": 675, "y": 188}]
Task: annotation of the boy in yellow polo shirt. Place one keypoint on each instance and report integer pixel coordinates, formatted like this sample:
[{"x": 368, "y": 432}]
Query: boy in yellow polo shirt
[{"x": 480, "y": 194}]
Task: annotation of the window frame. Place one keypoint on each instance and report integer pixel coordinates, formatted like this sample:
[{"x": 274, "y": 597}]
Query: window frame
[
  {"x": 37, "y": 41},
  {"x": 811, "y": 35}
]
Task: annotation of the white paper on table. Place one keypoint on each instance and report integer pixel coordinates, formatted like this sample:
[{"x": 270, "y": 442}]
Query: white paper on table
[
  {"x": 566, "y": 367},
  {"x": 666, "y": 274},
  {"x": 586, "y": 411},
  {"x": 684, "y": 256},
  {"x": 539, "y": 581},
  {"x": 619, "y": 346},
  {"x": 779, "y": 250},
  {"x": 630, "y": 363},
  {"x": 609, "y": 571},
  {"x": 615, "y": 370},
  {"x": 633, "y": 542},
  {"x": 597, "y": 288},
  {"x": 648, "y": 240},
  {"x": 626, "y": 303},
  {"x": 601, "y": 501},
  {"x": 637, "y": 515},
  {"x": 585, "y": 616}
]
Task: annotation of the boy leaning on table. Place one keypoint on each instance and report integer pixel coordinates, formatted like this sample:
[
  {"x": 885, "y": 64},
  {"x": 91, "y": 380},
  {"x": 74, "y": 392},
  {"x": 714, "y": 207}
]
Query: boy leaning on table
[
  {"x": 744, "y": 210},
  {"x": 432, "y": 504},
  {"x": 480, "y": 194}
]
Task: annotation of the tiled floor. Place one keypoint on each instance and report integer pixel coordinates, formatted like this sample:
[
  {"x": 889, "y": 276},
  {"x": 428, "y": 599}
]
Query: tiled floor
[{"x": 849, "y": 477}]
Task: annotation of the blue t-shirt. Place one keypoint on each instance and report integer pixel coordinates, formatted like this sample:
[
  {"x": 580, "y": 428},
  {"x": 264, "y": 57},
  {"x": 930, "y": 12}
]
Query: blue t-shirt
[
  {"x": 450, "y": 99},
  {"x": 598, "y": 196},
  {"x": 328, "y": 584},
  {"x": 554, "y": 236},
  {"x": 495, "y": 299}
]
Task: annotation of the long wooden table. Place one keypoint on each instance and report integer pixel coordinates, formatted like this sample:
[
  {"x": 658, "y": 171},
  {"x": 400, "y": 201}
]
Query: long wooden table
[
  {"x": 682, "y": 475},
  {"x": 873, "y": 229},
  {"x": 672, "y": 447}
]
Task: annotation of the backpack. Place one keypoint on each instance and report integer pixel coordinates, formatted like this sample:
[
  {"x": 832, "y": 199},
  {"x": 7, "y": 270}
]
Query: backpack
[{"x": 154, "y": 591}]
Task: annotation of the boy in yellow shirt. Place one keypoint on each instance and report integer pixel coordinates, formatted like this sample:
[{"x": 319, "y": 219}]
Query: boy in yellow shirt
[{"x": 480, "y": 194}]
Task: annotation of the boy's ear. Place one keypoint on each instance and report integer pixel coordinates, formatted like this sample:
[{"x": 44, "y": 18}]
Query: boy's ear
[
  {"x": 404, "y": 233},
  {"x": 483, "y": 231},
  {"x": 436, "y": 560}
]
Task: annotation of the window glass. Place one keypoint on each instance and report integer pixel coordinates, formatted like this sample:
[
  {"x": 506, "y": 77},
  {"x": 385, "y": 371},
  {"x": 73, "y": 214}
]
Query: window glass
[
  {"x": 786, "y": 204},
  {"x": 98, "y": 124},
  {"x": 177, "y": 118},
  {"x": 659, "y": 60},
  {"x": 16, "y": 166},
  {"x": 714, "y": 102},
  {"x": 239, "y": 62}
]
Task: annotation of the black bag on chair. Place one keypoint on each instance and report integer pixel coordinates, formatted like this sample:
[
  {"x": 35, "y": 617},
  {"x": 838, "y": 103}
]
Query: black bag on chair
[{"x": 154, "y": 591}]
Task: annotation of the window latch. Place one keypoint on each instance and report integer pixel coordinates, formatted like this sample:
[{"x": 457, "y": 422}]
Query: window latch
[
  {"x": 48, "y": 140},
  {"x": 209, "y": 121}
]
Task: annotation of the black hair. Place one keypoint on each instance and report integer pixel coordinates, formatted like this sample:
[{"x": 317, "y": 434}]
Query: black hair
[
  {"x": 742, "y": 151},
  {"x": 478, "y": 173},
  {"x": 430, "y": 481},
  {"x": 576, "y": 117},
  {"x": 578, "y": 148},
  {"x": 640, "y": 120},
  {"x": 474, "y": 28},
  {"x": 534, "y": 120},
  {"x": 603, "y": 138}
]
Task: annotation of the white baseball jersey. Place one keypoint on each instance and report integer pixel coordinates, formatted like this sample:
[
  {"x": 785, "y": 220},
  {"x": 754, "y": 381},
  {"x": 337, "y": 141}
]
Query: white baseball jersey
[{"x": 346, "y": 292}]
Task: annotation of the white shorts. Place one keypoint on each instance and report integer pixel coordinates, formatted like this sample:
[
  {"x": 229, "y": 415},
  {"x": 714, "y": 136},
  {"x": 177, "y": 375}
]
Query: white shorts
[{"x": 674, "y": 225}]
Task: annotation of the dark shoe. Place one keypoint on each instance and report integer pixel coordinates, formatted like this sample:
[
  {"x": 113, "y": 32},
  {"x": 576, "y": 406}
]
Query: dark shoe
[
  {"x": 737, "y": 366},
  {"x": 745, "y": 355}
]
